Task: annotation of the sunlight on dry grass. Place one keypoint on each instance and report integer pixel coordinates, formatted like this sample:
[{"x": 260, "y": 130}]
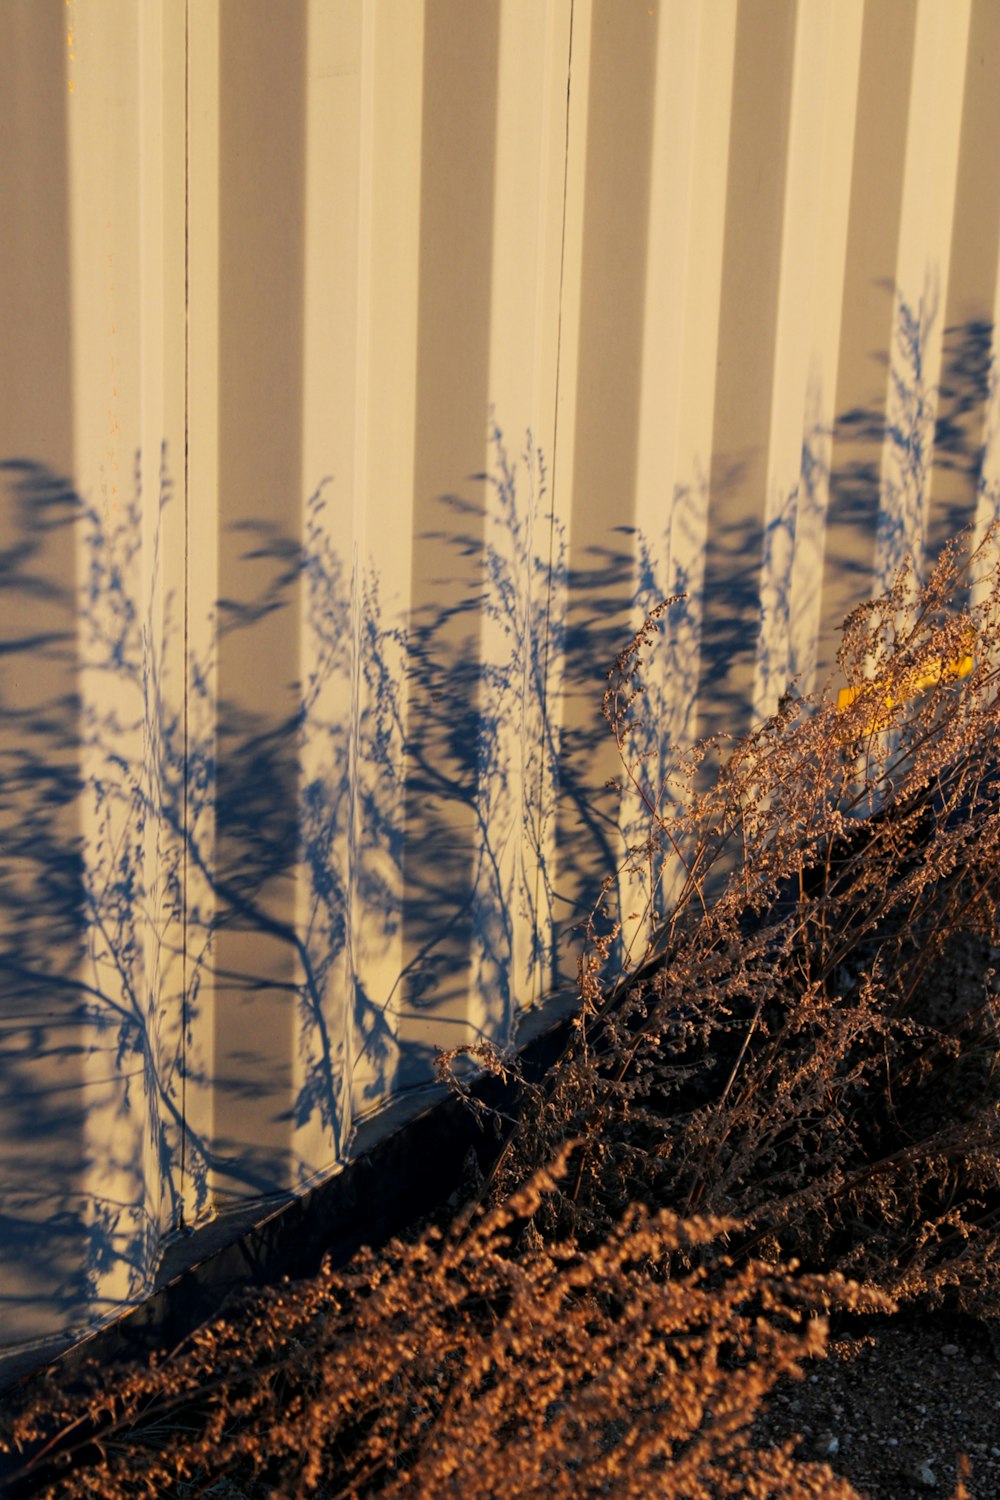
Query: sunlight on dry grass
[{"x": 787, "y": 1105}]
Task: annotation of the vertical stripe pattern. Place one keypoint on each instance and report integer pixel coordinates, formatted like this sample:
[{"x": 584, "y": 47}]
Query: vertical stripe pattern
[{"x": 370, "y": 370}]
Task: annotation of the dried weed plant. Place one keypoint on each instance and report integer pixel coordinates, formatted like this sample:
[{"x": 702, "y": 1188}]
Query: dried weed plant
[
  {"x": 813, "y": 1050},
  {"x": 788, "y": 1104},
  {"x": 475, "y": 1361}
]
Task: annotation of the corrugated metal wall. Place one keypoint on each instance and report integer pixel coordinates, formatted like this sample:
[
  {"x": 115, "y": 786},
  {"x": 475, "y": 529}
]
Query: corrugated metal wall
[{"x": 369, "y": 368}]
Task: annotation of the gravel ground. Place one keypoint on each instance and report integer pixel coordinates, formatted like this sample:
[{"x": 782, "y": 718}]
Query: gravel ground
[
  {"x": 900, "y": 1398},
  {"x": 895, "y": 1404}
]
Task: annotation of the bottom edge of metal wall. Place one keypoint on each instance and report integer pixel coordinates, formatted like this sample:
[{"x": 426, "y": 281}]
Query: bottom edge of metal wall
[{"x": 405, "y": 1162}]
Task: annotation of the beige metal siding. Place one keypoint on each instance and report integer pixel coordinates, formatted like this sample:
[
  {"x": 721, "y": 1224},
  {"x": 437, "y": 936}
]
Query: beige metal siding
[
  {"x": 39, "y": 822},
  {"x": 370, "y": 367}
]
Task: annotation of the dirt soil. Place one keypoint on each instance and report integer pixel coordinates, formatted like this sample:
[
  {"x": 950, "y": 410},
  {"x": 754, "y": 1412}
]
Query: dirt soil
[
  {"x": 896, "y": 1403},
  {"x": 899, "y": 1399}
]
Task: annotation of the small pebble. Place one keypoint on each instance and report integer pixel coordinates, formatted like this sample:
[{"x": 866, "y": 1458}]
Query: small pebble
[
  {"x": 924, "y": 1475},
  {"x": 949, "y": 1350}
]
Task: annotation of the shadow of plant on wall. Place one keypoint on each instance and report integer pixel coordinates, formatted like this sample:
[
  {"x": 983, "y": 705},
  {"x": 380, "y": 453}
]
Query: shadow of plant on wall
[
  {"x": 98, "y": 985},
  {"x": 41, "y": 865},
  {"x": 142, "y": 826},
  {"x": 483, "y": 673},
  {"x": 382, "y": 850}
]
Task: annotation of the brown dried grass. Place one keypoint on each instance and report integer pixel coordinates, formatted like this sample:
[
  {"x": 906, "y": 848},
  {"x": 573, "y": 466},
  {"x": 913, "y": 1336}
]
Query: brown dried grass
[{"x": 787, "y": 1105}]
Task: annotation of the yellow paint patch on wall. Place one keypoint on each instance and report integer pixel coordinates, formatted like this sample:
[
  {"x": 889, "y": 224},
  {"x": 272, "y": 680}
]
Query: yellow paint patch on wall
[{"x": 932, "y": 673}]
